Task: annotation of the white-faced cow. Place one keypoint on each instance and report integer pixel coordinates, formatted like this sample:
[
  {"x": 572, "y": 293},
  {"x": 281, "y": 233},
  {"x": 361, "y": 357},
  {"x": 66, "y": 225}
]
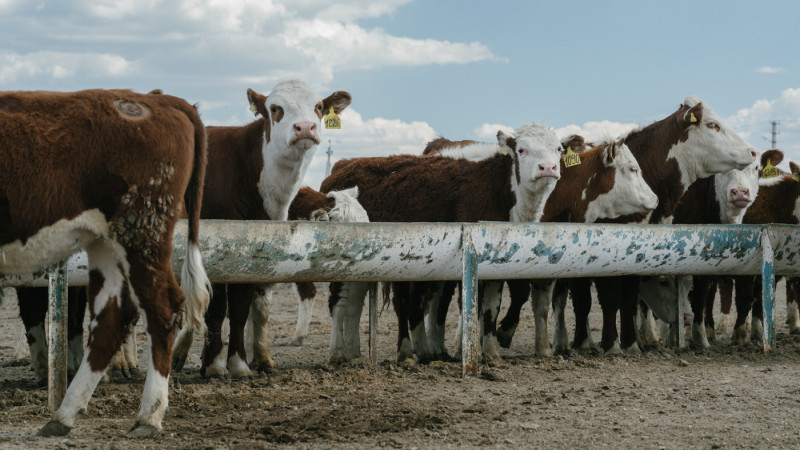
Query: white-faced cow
[
  {"x": 107, "y": 172},
  {"x": 721, "y": 199},
  {"x": 674, "y": 152},
  {"x": 511, "y": 185},
  {"x": 254, "y": 173},
  {"x": 607, "y": 183}
]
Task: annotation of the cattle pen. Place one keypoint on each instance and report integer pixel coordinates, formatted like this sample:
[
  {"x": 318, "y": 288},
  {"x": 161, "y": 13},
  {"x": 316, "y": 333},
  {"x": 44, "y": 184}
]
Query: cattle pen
[{"x": 260, "y": 252}]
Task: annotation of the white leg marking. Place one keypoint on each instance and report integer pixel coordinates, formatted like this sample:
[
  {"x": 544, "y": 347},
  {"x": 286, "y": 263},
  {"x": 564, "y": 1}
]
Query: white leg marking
[
  {"x": 560, "y": 337},
  {"x": 78, "y": 393},
  {"x": 22, "y": 351},
  {"x": 155, "y": 398},
  {"x": 793, "y": 317},
  {"x": 305, "y": 312},
  {"x": 39, "y": 352},
  {"x": 699, "y": 337},
  {"x": 238, "y": 368},
  {"x": 541, "y": 296},
  {"x": 757, "y": 330},
  {"x": 259, "y": 311}
]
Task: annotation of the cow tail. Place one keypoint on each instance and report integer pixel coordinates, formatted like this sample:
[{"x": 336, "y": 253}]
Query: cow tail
[{"x": 195, "y": 284}]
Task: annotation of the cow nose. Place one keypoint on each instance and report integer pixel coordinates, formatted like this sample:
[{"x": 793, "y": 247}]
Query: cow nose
[
  {"x": 548, "y": 170},
  {"x": 743, "y": 194},
  {"x": 305, "y": 128}
]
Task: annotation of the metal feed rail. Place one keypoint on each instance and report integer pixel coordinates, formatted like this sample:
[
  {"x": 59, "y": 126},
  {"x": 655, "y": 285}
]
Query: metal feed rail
[{"x": 259, "y": 252}]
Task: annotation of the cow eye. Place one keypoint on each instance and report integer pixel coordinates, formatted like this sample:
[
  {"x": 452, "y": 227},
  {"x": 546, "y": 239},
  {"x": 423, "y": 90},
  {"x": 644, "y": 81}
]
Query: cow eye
[
  {"x": 634, "y": 169},
  {"x": 319, "y": 107},
  {"x": 713, "y": 125},
  {"x": 561, "y": 150},
  {"x": 274, "y": 109}
]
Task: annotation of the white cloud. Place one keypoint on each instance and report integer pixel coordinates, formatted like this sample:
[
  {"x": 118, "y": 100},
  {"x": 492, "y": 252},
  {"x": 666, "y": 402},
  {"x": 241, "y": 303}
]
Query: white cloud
[
  {"x": 769, "y": 69},
  {"x": 364, "y": 138},
  {"x": 753, "y": 123},
  {"x": 60, "y": 65},
  {"x": 488, "y": 131}
]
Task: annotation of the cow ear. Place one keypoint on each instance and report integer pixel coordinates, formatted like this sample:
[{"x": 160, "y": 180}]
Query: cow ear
[
  {"x": 573, "y": 141},
  {"x": 258, "y": 103},
  {"x": 610, "y": 154},
  {"x": 693, "y": 116},
  {"x": 504, "y": 139},
  {"x": 339, "y": 100},
  {"x": 795, "y": 170},
  {"x": 774, "y": 157}
]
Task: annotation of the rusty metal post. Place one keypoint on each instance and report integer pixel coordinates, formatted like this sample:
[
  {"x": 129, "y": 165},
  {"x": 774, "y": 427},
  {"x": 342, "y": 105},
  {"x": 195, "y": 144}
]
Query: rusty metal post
[
  {"x": 373, "y": 323},
  {"x": 470, "y": 330},
  {"x": 57, "y": 346},
  {"x": 767, "y": 292}
]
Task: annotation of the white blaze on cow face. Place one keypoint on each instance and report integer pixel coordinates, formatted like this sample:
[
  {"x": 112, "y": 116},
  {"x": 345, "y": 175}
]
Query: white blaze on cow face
[
  {"x": 537, "y": 154},
  {"x": 711, "y": 146},
  {"x": 294, "y": 122},
  {"x": 630, "y": 193},
  {"x": 347, "y": 207}
]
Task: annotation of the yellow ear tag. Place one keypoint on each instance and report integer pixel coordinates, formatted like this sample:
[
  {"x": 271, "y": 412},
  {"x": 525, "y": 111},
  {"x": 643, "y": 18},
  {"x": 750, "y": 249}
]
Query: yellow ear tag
[
  {"x": 692, "y": 118},
  {"x": 769, "y": 171},
  {"x": 571, "y": 158},
  {"x": 796, "y": 176},
  {"x": 503, "y": 149},
  {"x": 253, "y": 108},
  {"x": 332, "y": 120}
]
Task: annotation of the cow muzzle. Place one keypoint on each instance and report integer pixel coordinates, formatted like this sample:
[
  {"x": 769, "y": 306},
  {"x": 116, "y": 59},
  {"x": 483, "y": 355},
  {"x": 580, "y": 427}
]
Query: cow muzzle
[
  {"x": 305, "y": 135},
  {"x": 740, "y": 197}
]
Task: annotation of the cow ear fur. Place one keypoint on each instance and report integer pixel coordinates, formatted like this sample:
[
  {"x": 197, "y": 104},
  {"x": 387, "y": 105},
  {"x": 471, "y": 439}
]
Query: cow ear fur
[
  {"x": 794, "y": 168},
  {"x": 504, "y": 139},
  {"x": 575, "y": 142},
  {"x": 259, "y": 102},
  {"x": 610, "y": 154},
  {"x": 697, "y": 112},
  {"x": 774, "y": 156},
  {"x": 339, "y": 100}
]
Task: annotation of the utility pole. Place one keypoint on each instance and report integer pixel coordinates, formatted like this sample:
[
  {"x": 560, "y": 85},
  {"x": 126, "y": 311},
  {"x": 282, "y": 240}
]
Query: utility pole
[
  {"x": 775, "y": 124},
  {"x": 330, "y": 152}
]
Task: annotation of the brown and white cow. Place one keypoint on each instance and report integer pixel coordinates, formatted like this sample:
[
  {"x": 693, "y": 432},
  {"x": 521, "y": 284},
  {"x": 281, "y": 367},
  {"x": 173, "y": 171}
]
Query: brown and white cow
[
  {"x": 674, "y": 152},
  {"x": 778, "y": 201},
  {"x": 408, "y": 188},
  {"x": 721, "y": 199},
  {"x": 107, "y": 171},
  {"x": 254, "y": 173},
  {"x": 606, "y": 184}
]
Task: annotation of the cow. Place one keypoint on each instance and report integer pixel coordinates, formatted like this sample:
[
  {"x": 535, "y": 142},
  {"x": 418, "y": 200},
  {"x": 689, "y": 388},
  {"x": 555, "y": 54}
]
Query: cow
[
  {"x": 606, "y": 183},
  {"x": 691, "y": 143},
  {"x": 254, "y": 173},
  {"x": 720, "y": 199},
  {"x": 778, "y": 201},
  {"x": 108, "y": 172}
]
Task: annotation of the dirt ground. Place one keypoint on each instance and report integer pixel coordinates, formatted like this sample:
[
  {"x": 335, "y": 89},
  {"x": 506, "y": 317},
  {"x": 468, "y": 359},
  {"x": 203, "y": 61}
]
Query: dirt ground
[{"x": 725, "y": 397}]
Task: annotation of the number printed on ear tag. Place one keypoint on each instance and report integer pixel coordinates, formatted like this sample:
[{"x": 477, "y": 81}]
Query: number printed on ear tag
[
  {"x": 332, "y": 120},
  {"x": 571, "y": 158}
]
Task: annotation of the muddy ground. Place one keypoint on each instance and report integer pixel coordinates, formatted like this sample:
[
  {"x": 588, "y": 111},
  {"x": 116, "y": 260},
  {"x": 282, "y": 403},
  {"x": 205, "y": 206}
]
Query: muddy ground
[{"x": 725, "y": 397}]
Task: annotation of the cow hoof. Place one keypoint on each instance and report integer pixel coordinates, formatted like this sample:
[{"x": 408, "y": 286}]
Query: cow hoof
[
  {"x": 504, "y": 337},
  {"x": 495, "y": 361},
  {"x": 178, "y": 362},
  {"x": 213, "y": 372},
  {"x": 632, "y": 349},
  {"x": 297, "y": 341},
  {"x": 142, "y": 431},
  {"x": 545, "y": 352},
  {"x": 263, "y": 366},
  {"x": 54, "y": 428}
]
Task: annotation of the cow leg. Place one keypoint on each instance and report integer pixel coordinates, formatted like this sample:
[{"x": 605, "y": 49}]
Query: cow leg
[
  {"x": 212, "y": 360},
  {"x": 76, "y": 298},
  {"x": 33, "y": 310},
  {"x": 608, "y": 294},
  {"x": 22, "y": 350},
  {"x": 305, "y": 311},
  {"x": 262, "y": 355},
  {"x": 519, "y": 291},
  {"x": 240, "y": 305},
  {"x": 416, "y": 321},
  {"x": 757, "y": 325},
  {"x": 111, "y": 314},
  {"x": 744, "y": 302},
  {"x": 435, "y": 318},
  {"x": 697, "y": 297},
  {"x": 581, "y": 289},
  {"x": 629, "y": 301},
  {"x": 346, "y": 305},
  {"x": 792, "y": 299},
  {"x": 708, "y": 310},
  {"x": 489, "y": 307},
  {"x": 725, "y": 302},
  {"x": 400, "y": 302},
  {"x": 560, "y": 336}
]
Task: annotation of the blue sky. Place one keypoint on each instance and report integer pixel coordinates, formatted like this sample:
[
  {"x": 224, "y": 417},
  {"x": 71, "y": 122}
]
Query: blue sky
[{"x": 418, "y": 69}]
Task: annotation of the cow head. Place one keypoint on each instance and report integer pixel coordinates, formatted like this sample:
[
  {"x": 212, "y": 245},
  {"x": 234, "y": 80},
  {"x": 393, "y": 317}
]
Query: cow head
[
  {"x": 714, "y": 147},
  {"x": 536, "y": 151},
  {"x": 347, "y": 208},
  {"x": 629, "y": 193},
  {"x": 293, "y": 113}
]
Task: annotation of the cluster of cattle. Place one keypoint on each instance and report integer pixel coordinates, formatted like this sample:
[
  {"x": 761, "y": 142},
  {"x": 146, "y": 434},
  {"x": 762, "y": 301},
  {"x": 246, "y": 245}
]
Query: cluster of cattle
[{"x": 111, "y": 172}]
